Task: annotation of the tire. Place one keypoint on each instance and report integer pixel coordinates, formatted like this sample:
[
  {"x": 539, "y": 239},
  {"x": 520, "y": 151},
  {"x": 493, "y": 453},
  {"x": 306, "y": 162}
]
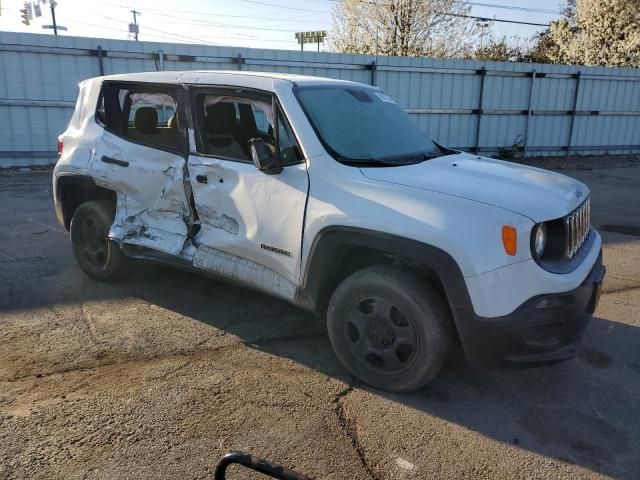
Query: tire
[
  {"x": 99, "y": 257},
  {"x": 389, "y": 328}
]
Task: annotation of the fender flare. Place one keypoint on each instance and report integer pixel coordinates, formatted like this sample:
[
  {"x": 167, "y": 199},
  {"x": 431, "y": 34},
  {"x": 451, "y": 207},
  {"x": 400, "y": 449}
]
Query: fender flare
[
  {"x": 64, "y": 180},
  {"x": 329, "y": 248}
]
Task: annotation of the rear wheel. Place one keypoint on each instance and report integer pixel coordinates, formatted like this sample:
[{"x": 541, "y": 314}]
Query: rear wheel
[
  {"x": 99, "y": 257},
  {"x": 389, "y": 328}
]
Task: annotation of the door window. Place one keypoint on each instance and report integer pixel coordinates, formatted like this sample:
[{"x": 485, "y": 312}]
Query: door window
[
  {"x": 289, "y": 150},
  {"x": 144, "y": 115},
  {"x": 228, "y": 123}
]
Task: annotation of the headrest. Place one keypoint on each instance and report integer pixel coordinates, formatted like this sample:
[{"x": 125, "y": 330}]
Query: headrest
[{"x": 146, "y": 120}]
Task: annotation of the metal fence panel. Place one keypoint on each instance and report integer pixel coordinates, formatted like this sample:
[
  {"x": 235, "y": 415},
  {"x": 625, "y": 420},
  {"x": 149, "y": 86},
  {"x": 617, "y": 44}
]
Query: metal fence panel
[{"x": 487, "y": 107}]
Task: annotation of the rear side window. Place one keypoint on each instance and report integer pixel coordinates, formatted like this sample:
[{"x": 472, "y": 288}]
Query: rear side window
[
  {"x": 101, "y": 114},
  {"x": 145, "y": 115}
]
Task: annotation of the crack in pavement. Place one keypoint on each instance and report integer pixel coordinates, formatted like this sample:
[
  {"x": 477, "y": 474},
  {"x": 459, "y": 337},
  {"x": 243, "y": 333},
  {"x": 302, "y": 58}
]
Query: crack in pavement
[
  {"x": 349, "y": 429},
  {"x": 621, "y": 289}
]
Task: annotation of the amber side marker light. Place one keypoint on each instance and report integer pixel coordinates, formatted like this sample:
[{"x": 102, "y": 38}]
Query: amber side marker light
[{"x": 509, "y": 239}]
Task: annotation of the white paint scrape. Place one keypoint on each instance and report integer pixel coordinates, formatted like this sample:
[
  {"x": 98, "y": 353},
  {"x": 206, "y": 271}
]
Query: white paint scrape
[{"x": 246, "y": 271}]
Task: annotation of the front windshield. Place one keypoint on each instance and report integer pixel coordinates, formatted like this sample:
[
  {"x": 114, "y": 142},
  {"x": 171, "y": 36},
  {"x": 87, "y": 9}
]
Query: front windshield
[{"x": 361, "y": 125}]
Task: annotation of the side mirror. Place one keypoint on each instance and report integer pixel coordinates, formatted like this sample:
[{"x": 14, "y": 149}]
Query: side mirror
[{"x": 263, "y": 158}]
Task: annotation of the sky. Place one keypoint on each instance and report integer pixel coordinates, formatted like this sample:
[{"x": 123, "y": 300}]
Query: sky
[{"x": 242, "y": 23}]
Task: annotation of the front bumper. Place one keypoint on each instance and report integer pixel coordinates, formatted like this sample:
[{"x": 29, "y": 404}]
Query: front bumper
[{"x": 545, "y": 329}]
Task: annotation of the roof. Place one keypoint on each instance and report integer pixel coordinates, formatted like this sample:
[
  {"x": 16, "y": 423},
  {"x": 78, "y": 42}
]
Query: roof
[{"x": 259, "y": 80}]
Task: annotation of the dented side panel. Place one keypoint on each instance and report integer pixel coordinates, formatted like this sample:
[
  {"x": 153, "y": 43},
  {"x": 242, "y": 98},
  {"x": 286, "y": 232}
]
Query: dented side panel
[
  {"x": 249, "y": 214},
  {"x": 152, "y": 209},
  {"x": 243, "y": 270}
]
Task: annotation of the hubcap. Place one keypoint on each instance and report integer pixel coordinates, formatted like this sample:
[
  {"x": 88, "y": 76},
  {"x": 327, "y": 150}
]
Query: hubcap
[
  {"x": 381, "y": 334},
  {"x": 95, "y": 246}
]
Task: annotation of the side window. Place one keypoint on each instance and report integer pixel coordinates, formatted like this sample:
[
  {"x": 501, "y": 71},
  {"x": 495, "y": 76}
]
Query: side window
[
  {"x": 228, "y": 123},
  {"x": 101, "y": 113},
  {"x": 289, "y": 150},
  {"x": 262, "y": 122},
  {"x": 146, "y": 116}
]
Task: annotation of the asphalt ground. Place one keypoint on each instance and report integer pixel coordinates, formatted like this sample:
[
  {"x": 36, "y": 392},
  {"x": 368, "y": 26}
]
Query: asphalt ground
[{"x": 159, "y": 375}]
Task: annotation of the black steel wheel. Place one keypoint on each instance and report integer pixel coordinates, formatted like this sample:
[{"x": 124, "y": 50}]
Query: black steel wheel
[
  {"x": 381, "y": 334},
  {"x": 389, "y": 328},
  {"x": 100, "y": 258}
]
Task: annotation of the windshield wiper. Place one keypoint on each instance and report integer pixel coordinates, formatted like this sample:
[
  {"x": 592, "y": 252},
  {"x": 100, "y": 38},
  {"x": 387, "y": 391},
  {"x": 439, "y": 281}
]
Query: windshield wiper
[
  {"x": 388, "y": 161},
  {"x": 391, "y": 161},
  {"x": 416, "y": 159},
  {"x": 445, "y": 151}
]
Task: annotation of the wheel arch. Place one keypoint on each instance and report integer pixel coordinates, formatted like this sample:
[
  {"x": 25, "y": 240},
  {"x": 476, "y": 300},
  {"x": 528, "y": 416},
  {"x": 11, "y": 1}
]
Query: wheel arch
[
  {"x": 73, "y": 190},
  {"x": 339, "y": 251}
]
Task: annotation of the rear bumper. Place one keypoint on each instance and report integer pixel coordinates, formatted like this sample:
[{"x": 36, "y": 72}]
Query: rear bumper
[{"x": 545, "y": 329}]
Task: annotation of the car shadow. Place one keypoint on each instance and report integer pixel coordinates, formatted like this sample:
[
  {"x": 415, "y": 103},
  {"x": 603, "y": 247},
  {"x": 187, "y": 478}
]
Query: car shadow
[{"x": 585, "y": 411}]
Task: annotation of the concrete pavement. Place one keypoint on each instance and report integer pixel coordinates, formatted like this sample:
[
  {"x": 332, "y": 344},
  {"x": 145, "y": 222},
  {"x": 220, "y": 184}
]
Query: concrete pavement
[{"x": 161, "y": 374}]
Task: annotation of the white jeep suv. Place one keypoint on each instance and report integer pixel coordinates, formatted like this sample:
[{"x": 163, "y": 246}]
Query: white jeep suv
[{"x": 326, "y": 193}]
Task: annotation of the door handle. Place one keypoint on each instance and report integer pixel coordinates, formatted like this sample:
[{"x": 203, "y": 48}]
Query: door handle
[
  {"x": 115, "y": 161},
  {"x": 201, "y": 178}
]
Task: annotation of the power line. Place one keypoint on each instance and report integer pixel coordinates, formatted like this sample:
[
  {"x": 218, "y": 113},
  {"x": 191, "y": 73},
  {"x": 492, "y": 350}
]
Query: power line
[
  {"x": 513, "y": 7},
  {"x": 195, "y": 21},
  {"x": 237, "y": 37},
  {"x": 487, "y": 19},
  {"x": 220, "y": 24},
  {"x": 268, "y": 4},
  {"x": 475, "y": 4},
  {"x": 208, "y": 14},
  {"x": 474, "y": 17}
]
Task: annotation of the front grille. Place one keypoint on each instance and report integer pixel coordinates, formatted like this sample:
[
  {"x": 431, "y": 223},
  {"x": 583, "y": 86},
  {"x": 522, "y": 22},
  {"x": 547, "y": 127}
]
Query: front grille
[{"x": 576, "y": 227}]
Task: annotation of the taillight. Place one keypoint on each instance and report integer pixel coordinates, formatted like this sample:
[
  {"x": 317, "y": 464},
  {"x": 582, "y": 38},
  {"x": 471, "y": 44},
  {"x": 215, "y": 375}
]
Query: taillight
[{"x": 60, "y": 145}]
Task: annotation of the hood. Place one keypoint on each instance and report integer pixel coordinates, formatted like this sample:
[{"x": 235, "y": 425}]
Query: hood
[{"x": 538, "y": 194}]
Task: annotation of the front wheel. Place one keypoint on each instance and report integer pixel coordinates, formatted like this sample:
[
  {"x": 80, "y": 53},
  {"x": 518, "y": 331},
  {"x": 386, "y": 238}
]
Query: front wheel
[
  {"x": 389, "y": 328},
  {"x": 99, "y": 257}
]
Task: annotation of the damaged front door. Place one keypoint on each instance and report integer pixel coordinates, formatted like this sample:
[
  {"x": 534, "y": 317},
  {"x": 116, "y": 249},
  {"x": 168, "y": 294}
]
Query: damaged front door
[
  {"x": 251, "y": 222},
  {"x": 141, "y": 155}
]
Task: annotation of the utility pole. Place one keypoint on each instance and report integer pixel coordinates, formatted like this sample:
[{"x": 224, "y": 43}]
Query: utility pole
[
  {"x": 53, "y": 17},
  {"x": 133, "y": 27}
]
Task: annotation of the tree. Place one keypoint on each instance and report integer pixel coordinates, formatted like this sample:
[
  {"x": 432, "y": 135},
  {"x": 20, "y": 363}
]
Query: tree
[
  {"x": 593, "y": 32},
  {"x": 403, "y": 27},
  {"x": 502, "y": 50}
]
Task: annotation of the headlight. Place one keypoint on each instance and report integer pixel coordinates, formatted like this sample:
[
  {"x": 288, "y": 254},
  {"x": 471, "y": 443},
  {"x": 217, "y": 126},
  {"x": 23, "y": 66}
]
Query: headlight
[{"x": 540, "y": 240}]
